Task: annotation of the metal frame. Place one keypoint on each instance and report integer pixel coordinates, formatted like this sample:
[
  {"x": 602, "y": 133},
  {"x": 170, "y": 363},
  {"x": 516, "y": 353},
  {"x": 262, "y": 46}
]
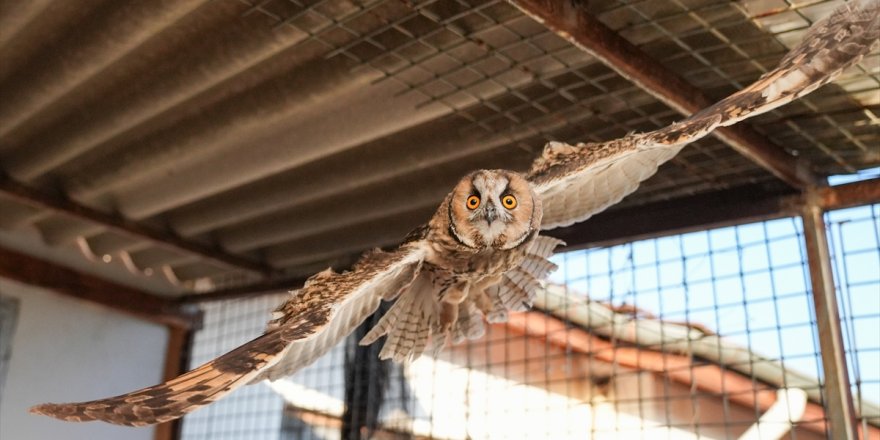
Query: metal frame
[
  {"x": 727, "y": 208},
  {"x": 838, "y": 395},
  {"x": 176, "y": 362},
  {"x": 557, "y": 337}
]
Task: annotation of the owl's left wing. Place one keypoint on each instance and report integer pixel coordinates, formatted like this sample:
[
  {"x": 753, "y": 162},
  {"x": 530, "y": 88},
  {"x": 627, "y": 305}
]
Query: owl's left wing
[
  {"x": 401, "y": 269},
  {"x": 316, "y": 317},
  {"x": 577, "y": 181}
]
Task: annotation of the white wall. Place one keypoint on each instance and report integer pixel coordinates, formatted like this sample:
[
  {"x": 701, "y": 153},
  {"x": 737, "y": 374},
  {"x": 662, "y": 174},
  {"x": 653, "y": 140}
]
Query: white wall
[{"x": 68, "y": 350}]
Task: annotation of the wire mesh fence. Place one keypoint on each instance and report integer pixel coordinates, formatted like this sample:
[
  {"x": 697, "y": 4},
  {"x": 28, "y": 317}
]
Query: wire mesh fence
[
  {"x": 742, "y": 289},
  {"x": 709, "y": 334},
  {"x": 510, "y": 82},
  {"x": 253, "y": 412}
]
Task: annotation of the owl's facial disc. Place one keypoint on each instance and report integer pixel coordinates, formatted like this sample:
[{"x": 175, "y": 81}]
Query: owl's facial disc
[
  {"x": 493, "y": 208},
  {"x": 490, "y": 216}
]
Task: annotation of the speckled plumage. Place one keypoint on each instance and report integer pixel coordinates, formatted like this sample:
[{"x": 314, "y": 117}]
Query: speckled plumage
[
  {"x": 456, "y": 271},
  {"x": 465, "y": 257}
]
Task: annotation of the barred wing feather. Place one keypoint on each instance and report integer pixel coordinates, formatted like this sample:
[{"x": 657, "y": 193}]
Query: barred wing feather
[{"x": 312, "y": 321}]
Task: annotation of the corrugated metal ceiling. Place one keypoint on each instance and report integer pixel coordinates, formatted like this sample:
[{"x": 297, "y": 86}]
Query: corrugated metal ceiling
[{"x": 298, "y": 133}]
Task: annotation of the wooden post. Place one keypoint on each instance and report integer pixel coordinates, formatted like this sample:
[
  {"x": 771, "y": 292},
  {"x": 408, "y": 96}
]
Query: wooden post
[
  {"x": 838, "y": 396},
  {"x": 176, "y": 360}
]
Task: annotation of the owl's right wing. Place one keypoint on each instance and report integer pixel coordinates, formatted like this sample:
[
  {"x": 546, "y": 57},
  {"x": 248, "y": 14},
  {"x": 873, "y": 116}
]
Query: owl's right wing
[
  {"x": 316, "y": 317},
  {"x": 577, "y": 181}
]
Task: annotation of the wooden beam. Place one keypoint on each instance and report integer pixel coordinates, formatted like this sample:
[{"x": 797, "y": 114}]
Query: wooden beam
[
  {"x": 751, "y": 203},
  {"x": 249, "y": 290},
  {"x": 34, "y": 271},
  {"x": 699, "y": 212},
  {"x": 569, "y": 19},
  {"x": 60, "y": 204},
  {"x": 849, "y": 195},
  {"x": 746, "y": 204}
]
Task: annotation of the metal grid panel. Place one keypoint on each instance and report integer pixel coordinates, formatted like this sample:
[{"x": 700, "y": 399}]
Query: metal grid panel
[
  {"x": 681, "y": 336},
  {"x": 747, "y": 283},
  {"x": 505, "y": 75},
  {"x": 253, "y": 412},
  {"x": 722, "y": 46},
  {"x": 855, "y": 240}
]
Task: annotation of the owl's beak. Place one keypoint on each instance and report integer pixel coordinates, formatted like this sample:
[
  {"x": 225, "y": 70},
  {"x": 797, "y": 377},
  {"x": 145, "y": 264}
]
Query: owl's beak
[{"x": 490, "y": 213}]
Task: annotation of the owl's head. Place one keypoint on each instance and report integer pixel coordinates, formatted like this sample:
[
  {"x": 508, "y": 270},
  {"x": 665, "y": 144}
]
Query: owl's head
[{"x": 494, "y": 209}]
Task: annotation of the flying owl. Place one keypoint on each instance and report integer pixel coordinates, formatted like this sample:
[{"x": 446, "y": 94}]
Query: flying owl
[{"x": 482, "y": 253}]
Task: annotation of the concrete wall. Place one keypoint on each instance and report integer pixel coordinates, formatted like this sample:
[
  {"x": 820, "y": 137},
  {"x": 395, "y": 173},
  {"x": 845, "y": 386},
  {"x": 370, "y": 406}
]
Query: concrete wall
[{"x": 67, "y": 350}]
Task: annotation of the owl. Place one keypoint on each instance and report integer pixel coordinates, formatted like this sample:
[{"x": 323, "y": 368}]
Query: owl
[{"x": 482, "y": 254}]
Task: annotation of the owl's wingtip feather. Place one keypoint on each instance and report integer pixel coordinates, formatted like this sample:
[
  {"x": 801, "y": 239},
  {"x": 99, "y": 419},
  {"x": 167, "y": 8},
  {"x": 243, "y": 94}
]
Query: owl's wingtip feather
[
  {"x": 58, "y": 411},
  {"x": 41, "y": 409},
  {"x": 47, "y": 409}
]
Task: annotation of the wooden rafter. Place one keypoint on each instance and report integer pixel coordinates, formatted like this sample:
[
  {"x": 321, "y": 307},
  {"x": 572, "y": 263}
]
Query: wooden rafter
[
  {"x": 34, "y": 271},
  {"x": 261, "y": 288},
  {"x": 724, "y": 208},
  {"x": 677, "y": 216},
  {"x": 60, "y": 204},
  {"x": 568, "y": 19},
  {"x": 848, "y": 195}
]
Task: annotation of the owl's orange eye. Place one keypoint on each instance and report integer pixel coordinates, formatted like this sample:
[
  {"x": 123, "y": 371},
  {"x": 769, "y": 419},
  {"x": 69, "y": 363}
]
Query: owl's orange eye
[
  {"x": 509, "y": 201},
  {"x": 473, "y": 202}
]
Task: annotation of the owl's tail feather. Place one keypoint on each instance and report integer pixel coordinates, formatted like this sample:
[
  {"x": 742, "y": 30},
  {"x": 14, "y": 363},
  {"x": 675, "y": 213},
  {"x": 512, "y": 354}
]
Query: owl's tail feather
[
  {"x": 179, "y": 396},
  {"x": 518, "y": 287}
]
